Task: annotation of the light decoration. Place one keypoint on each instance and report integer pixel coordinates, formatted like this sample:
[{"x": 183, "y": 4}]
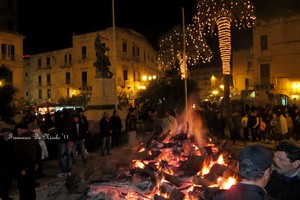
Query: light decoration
[
  {"x": 171, "y": 45},
  {"x": 183, "y": 66},
  {"x": 223, "y": 13}
]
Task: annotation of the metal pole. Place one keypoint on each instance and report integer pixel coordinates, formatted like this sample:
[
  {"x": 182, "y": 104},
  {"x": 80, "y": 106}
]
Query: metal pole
[
  {"x": 115, "y": 53},
  {"x": 185, "y": 69}
]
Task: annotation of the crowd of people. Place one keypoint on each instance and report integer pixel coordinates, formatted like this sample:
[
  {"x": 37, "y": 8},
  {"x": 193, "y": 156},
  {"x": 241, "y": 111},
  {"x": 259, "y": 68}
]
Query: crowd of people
[
  {"x": 267, "y": 124},
  {"x": 263, "y": 176},
  {"x": 24, "y": 149}
]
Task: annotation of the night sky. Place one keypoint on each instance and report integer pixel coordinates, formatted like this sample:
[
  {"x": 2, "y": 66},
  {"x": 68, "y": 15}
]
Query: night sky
[{"x": 49, "y": 24}]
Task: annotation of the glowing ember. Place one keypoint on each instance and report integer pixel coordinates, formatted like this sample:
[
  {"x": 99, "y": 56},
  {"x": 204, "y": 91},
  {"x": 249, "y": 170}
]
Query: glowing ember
[
  {"x": 228, "y": 183},
  {"x": 221, "y": 160}
]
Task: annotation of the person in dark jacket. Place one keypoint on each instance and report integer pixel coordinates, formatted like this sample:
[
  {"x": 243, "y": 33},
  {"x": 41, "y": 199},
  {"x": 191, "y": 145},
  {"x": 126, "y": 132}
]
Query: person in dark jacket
[
  {"x": 6, "y": 162},
  {"x": 255, "y": 170},
  {"x": 253, "y": 124},
  {"x": 27, "y": 156},
  {"x": 149, "y": 125},
  {"x": 284, "y": 183},
  {"x": 106, "y": 134},
  {"x": 65, "y": 145},
  {"x": 116, "y": 126},
  {"x": 130, "y": 127},
  {"x": 78, "y": 135}
]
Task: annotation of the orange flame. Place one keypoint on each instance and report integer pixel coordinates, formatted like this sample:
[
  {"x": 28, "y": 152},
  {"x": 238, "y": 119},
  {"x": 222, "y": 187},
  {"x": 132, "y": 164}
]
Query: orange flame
[
  {"x": 221, "y": 160},
  {"x": 226, "y": 184}
]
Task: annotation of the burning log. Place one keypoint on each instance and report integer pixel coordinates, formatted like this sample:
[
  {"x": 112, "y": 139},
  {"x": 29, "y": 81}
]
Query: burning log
[
  {"x": 206, "y": 180},
  {"x": 172, "y": 179},
  {"x": 195, "y": 163},
  {"x": 176, "y": 195}
]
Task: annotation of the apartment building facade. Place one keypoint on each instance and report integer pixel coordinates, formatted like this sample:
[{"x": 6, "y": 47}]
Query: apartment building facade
[
  {"x": 276, "y": 58},
  {"x": 210, "y": 82},
  {"x": 50, "y": 76},
  {"x": 11, "y": 48}
]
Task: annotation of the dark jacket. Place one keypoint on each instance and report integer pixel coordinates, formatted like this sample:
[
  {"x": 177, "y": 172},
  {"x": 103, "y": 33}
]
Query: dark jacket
[
  {"x": 65, "y": 128},
  {"x": 83, "y": 120},
  {"x": 116, "y": 124},
  {"x": 284, "y": 188},
  {"x": 241, "y": 191},
  {"x": 28, "y": 152},
  {"x": 6, "y": 152},
  {"x": 104, "y": 128},
  {"x": 130, "y": 122},
  {"x": 149, "y": 123},
  {"x": 77, "y": 135}
]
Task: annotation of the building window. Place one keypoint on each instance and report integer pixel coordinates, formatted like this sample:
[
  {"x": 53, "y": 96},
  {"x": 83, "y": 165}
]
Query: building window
[
  {"x": 144, "y": 56},
  {"x": 249, "y": 65},
  {"x": 48, "y": 63},
  {"x": 125, "y": 75},
  {"x": 68, "y": 91},
  {"x": 40, "y": 94},
  {"x": 8, "y": 51},
  {"x": 40, "y": 80},
  {"x": 49, "y": 93},
  {"x": 84, "y": 79},
  {"x": 124, "y": 47},
  {"x": 263, "y": 42},
  {"x": 83, "y": 52},
  {"x": 138, "y": 51},
  {"x": 247, "y": 83},
  {"x": 27, "y": 94},
  {"x": 39, "y": 63},
  {"x": 26, "y": 74},
  {"x": 48, "y": 79},
  {"x": 136, "y": 77},
  {"x": 68, "y": 78},
  {"x": 66, "y": 59},
  {"x": 265, "y": 74},
  {"x": 133, "y": 50}
]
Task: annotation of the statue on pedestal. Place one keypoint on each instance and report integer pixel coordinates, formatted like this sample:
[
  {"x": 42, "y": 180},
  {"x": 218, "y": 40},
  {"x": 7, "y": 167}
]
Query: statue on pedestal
[{"x": 102, "y": 63}]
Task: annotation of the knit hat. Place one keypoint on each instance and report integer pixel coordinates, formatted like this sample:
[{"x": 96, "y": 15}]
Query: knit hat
[{"x": 255, "y": 157}]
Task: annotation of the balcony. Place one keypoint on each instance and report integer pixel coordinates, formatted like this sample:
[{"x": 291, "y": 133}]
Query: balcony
[{"x": 264, "y": 87}]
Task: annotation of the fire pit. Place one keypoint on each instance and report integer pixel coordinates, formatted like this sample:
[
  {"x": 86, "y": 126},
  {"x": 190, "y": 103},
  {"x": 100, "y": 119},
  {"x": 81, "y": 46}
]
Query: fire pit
[{"x": 170, "y": 167}]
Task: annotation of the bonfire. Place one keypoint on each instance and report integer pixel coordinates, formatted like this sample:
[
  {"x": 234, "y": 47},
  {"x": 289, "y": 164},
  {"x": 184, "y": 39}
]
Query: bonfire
[{"x": 182, "y": 166}]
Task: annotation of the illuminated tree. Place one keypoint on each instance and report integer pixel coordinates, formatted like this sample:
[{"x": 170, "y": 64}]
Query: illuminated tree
[
  {"x": 171, "y": 47},
  {"x": 222, "y": 14}
]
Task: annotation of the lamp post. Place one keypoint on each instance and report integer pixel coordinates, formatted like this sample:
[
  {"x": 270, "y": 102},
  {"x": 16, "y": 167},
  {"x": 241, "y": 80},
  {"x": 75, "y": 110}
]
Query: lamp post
[
  {"x": 184, "y": 66},
  {"x": 115, "y": 53}
]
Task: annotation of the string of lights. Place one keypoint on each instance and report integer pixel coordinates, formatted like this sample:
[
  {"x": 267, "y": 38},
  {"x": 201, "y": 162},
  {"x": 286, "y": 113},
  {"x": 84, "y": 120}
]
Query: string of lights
[
  {"x": 171, "y": 46},
  {"x": 223, "y": 14}
]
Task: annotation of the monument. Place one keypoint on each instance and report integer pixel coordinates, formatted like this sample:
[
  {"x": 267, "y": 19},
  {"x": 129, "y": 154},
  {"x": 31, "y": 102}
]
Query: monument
[{"x": 103, "y": 86}]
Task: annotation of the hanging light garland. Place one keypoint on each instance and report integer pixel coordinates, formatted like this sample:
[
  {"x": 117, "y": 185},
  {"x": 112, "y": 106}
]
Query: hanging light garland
[
  {"x": 224, "y": 13},
  {"x": 171, "y": 45}
]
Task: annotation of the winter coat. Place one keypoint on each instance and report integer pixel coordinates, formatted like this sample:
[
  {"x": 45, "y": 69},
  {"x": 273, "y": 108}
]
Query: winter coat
[{"x": 241, "y": 191}]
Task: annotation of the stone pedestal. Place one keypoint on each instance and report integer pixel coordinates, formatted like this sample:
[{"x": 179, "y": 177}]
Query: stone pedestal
[{"x": 102, "y": 98}]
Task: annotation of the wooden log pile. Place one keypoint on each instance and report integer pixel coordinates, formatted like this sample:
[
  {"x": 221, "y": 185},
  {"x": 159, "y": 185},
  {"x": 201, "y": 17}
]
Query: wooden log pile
[{"x": 168, "y": 168}]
